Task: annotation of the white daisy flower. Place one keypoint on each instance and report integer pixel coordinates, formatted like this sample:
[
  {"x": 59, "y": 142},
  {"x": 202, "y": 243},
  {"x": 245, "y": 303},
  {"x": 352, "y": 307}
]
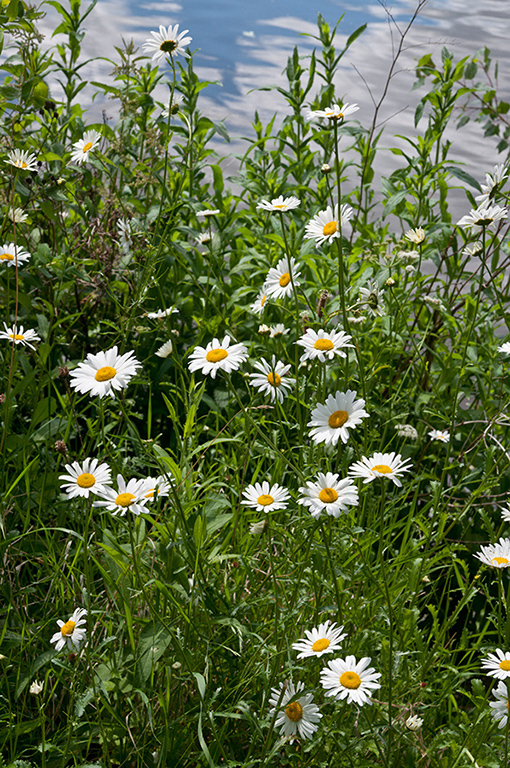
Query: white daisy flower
[
  {"x": 373, "y": 298},
  {"x": 10, "y": 254},
  {"x": 500, "y": 706},
  {"x": 260, "y": 303},
  {"x": 154, "y": 487},
  {"x": 264, "y": 330},
  {"x": 70, "y": 632},
  {"x": 264, "y": 498},
  {"x": 334, "y": 112},
  {"x": 505, "y": 348},
  {"x": 280, "y": 203},
  {"x": 216, "y": 356},
  {"x": 473, "y": 249},
  {"x": 203, "y": 239},
  {"x": 167, "y": 42},
  {"x": 323, "y": 345},
  {"x": 83, "y": 147},
  {"x": 416, "y": 236},
  {"x": 84, "y": 479},
  {"x": 257, "y": 528},
  {"x": 278, "y": 283},
  {"x": 331, "y": 420},
  {"x": 162, "y": 313},
  {"x": 414, "y": 723},
  {"x": 173, "y": 108},
  {"x": 320, "y": 640},
  {"x": 278, "y": 330},
  {"x": 36, "y": 688},
  {"x": 272, "y": 379},
  {"x": 497, "y": 555},
  {"x": 26, "y": 161},
  {"x": 389, "y": 465},
  {"x": 18, "y": 216},
  {"x": 406, "y": 430},
  {"x": 104, "y": 372},
  {"x": 19, "y": 335},
  {"x": 129, "y": 496},
  {"x": 351, "y": 680},
  {"x": 328, "y": 494},
  {"x": 492, "y": 183},
  {"x": 505, "y": 514},
  {"x": 497, "y": 665},
  {"x": 326, "y": 225},
  {"x": 165, "y": 349},
  {"x": 207, "y": 212},
  {"x": 296, "y": 715},
  {"x": 440, "y": 434},
  {"x": 484, "y": 216}
]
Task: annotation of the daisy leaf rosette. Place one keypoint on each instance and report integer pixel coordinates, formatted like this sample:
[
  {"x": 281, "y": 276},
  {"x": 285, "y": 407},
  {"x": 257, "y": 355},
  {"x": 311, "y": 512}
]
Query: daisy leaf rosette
[
  {"x": 323, "y": 345},
  {"x": 217, "y": 356},
  {"x": 296, "y": 714},
  {"x": 86, "y": 478},
  {"x": 71, "y": 632},
  {"x": 265, "y": 498},
  {"x": 330, "y": 421},
  {"x": 103, "y": 373},
  {"x": 351, "y": 680},
  {"x": 326, "y": 638},
  {"x": 388, "y": 465},
  {"x": 328, "y": 494}
]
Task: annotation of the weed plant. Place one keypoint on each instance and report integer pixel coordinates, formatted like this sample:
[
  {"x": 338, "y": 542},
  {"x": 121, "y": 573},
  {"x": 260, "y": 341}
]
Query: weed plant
[{"x": 234, "y": 423}]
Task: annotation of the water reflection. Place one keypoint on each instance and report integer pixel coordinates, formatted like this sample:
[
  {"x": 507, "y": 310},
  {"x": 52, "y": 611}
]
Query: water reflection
[{"x": 245, "y": 45}]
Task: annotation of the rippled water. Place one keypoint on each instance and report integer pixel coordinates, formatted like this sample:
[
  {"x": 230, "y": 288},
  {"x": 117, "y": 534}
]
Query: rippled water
[{"x": 245, "y": 44}]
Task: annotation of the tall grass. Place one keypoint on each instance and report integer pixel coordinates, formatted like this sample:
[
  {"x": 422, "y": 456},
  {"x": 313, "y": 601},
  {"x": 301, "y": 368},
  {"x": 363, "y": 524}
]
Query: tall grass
[{"x": 193, "y": 605}]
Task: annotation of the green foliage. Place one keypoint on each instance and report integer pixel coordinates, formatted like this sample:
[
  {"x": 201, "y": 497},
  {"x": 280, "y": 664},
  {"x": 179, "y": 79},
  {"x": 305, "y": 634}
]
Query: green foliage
[{"x": 194, "y": 603}]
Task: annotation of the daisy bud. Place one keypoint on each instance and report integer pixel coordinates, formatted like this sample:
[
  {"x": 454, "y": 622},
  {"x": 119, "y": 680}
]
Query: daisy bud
[
  {"x": 63, "y": 371},
  {"x": 325, "y": 168},
  {"x": 389, "y": 282},
  {"x": 36, "y": 688},
  {"x": 322, "y": 302},
  {"x": 61, "y": 447}
]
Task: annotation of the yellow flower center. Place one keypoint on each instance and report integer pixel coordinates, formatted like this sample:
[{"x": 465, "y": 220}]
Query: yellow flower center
[
  {"x": 328, "y": 495},
  {"x": 87, "y": 146},
  {"x": 85, "y": 480},
  {"x": 150, "y": 494},
  {"x": 215, "y": 355},
  {"x": 294, "y": 711},
  {"x": 384, "y": 469},
  {"x": 68, "y": 628},
  {"x": 499, "y": 560},
  {"x": 323, "y": 344},
  {"x": 284, "y": 279},
  {"x": 265, "y": 500},
  {"x": 329, "y": 228},
  {"x": 320, "y": 645},
  {"x": 168, "y": 46},
  {"x": 105, "y": 374},
  {"x": 279, "y": 206},
  {"x": 124, "y": 499},
  {"x": 505, "y": 665},
  {"x": 350, "y": 680},
  {"x": 17, "y": 336},
  {"x": 22, "y": 164},
  {"x": 274, "y": 379},
  {"x": 263, "y": 300},
  {"x": 338, "y": 419},
  {"x": 6, "y": 257}
]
